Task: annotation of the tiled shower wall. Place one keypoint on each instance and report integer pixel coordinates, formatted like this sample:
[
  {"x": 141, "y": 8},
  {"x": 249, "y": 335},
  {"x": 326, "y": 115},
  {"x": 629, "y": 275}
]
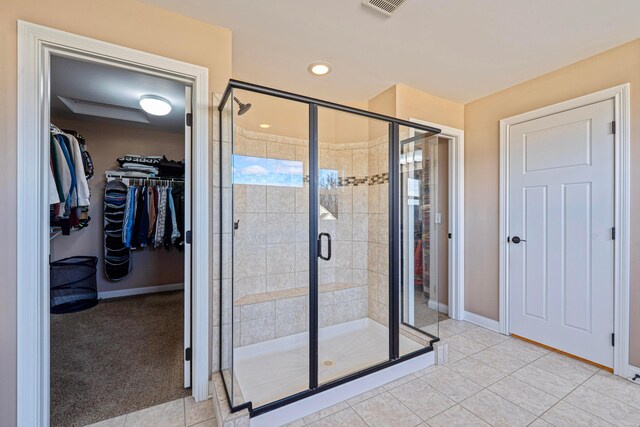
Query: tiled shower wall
[
  {"x": 271, "y": 242},
  {"x": 378, "y": 229}
]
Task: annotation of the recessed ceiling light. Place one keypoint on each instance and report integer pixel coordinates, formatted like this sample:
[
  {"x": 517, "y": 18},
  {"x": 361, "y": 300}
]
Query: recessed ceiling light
[
  {"x": 265, "y": 126},
  {"x": 320, "y": 68},
  {"x": 155, "y": 105}
]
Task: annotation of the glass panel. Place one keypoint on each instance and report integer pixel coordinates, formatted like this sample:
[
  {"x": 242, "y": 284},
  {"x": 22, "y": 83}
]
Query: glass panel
[
  {"x": 421, "y": 230},
  {"x": 353, "y": 221},
  {"x": 270, "y": 159},
  {"x": 264, "y": 238},
  {"x": 224, "y": 239}
]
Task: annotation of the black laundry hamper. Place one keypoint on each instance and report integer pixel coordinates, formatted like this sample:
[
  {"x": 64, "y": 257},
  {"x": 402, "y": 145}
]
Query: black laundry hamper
[{"x": 73, "y": 284}]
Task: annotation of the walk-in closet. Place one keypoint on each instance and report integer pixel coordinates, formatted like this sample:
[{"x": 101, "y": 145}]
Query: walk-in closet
[{"x": 119, "y": 206}]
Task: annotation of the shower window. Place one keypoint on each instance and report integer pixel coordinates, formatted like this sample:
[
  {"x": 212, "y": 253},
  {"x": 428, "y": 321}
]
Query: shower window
[
  {"x": 311, "y": 261},
  {"x": 250, "y": 170}
]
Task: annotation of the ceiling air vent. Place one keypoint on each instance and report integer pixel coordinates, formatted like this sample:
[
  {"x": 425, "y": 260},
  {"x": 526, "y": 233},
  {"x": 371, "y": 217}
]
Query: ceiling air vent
[{"x": 388, "y": 7}]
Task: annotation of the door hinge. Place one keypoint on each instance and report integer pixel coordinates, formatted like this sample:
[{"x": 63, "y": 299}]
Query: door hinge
[
  {"x": 188, "y": 237},
  {"x": 508, "y": 239},
  {"x": 613, "y": 233},
  {"x": 450, "y": 235},
  {"x": 613, "y": 127},
  {"x": 189, "y": 119},
  {"x": 613, "y": 340},
  {"x": 187, "y": 354}
]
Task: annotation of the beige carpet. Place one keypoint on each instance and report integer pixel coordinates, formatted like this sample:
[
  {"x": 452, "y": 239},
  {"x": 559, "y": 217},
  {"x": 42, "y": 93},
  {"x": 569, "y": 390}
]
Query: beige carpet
[
  {"x": 121, "y": 356},
  {"x": 423, "y": 315}
]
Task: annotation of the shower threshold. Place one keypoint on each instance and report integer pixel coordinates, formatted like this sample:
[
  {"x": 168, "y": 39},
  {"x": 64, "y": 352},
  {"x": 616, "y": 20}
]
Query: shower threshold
[{"x": 275, "y": 369}]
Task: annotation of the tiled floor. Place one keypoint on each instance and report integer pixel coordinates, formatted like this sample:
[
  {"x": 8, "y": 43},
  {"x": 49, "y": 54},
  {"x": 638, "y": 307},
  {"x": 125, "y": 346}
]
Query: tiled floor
[
  {"x": 492, "y": 380},
  {"x": 178, "y": 413}
]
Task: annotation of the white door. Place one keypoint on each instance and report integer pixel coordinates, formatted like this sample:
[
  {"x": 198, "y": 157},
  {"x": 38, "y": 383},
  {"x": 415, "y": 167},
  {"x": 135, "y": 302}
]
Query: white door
[
  {"x": 187, "y": 246},
  {"x": 561, "y": 206}
]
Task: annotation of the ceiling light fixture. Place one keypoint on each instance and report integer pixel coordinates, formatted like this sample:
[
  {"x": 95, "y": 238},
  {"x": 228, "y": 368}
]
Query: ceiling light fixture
[
  {"x": 319, "y": 68},
  {"x": 265, "y": 126},
  {"x": 155, "y": 105}
]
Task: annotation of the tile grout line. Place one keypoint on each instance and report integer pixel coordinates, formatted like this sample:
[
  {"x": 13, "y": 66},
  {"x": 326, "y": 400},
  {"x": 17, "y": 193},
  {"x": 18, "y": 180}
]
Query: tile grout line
[
  {"x": 488, "y": 421},
  {"x": 508, "y": 375},
  {"x": 593, "y": 389},
  {"x": 597, "y": 392},
  {"x": 487, "y": 388},
  {"x": 435, "y": 415},
  {"x": 569, "y": 403},
  {"x": 465, "y": 356},
  {"x": 560, "y": 399}
]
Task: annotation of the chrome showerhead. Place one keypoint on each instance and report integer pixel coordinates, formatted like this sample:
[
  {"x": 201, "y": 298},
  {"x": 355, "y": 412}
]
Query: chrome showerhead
[{"x": 243, "y": 107}]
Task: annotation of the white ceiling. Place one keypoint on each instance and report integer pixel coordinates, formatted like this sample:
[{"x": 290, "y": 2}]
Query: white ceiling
[
  {"x": 114, "y": 92},
  {"x": 457, "y": 49}
]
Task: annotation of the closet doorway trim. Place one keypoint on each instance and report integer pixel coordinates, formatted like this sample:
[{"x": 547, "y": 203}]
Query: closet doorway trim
[{"x": 35, "y": 45}]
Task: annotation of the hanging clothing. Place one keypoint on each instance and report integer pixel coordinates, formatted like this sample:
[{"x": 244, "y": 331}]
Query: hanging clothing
[
  {"x": 175, "y": 233},
  {"x": 178, "y": 197},
  {"x": 87, "y": 162},
  {"x": 139, "y": 216},
  {"x": 71, "y": 189},
  {"x": 152, "y": 214},
  {"x": 83, "y": 195},
  {"x": 143, "y": 231},
  {"x": 135, "y": 233},
  {"x": 129, "y": 216},
  {"x": 418, "y": 263},
  {"x": 168, "y": 224},
  {"x": 162, "y": 214},
  {"x": 56, "y": 169},
  {"x": 54, "y": 198},
  {"x": 68, "y": 177}
]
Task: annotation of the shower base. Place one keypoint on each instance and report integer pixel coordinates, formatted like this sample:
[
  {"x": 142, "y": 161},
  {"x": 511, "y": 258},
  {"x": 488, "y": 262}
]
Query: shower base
[{"x": 271, "y": 370}]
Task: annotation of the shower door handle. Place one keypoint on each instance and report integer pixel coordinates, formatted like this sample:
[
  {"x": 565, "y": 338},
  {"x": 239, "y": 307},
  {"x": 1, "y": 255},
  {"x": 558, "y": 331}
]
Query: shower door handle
[{"x": 328, "y": 236}]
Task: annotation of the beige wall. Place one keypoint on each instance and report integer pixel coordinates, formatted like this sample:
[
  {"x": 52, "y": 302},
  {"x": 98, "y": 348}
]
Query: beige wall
[
  {"x": 407, "y": 103},
  {"x": 128, "y": 23},
  {"x": 106, "y": 142},
  {"x": 414, "y": 104},
  {"x": 481, "y": 120},
  {"x": 383, "y": 103}
]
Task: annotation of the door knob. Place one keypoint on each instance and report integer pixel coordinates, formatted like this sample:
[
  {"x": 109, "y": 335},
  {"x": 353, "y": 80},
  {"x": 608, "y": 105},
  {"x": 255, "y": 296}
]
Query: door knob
[{"x": 516, "y": 240}]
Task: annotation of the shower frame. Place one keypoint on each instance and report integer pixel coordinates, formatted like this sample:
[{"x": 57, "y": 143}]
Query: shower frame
[{"x": 394, "y": 242}]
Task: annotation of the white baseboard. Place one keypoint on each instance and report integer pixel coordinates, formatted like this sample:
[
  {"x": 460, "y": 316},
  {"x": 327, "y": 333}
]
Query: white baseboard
[
  {"x": 631, "y": 373},
  {"x": 485, "y": 322},
  {"x": 441, "y": 307},
  {"x": 140, "y": 291}
]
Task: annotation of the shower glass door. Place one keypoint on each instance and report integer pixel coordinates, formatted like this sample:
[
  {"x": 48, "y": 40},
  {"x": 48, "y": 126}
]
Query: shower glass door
[
  {"x": 352, "y": 181},
  {"x": 266, "y": 218},
  {"x": 421, "y": 303},
  {"x": 313, "y": 243}
]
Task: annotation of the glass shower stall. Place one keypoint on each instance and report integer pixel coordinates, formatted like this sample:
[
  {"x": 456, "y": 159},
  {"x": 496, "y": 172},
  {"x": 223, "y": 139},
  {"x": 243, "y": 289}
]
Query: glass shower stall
[{"x": 325, "y": 223}]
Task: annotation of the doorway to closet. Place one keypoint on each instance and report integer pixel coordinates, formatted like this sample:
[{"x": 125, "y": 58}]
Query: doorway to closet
[
  {"x": 425, "y": 213},
  {"x": 120, "y": 216}
]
